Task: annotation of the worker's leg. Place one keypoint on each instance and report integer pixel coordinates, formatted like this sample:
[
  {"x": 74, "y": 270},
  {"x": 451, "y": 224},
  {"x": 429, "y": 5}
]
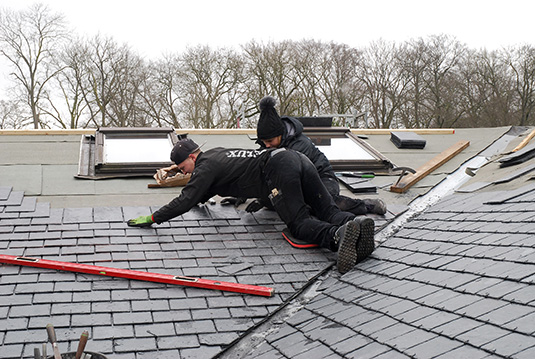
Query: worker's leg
[
  {"x": 353, "y": 205},
  {"x": 284, "y": 175},
  {"x": 317, "y": 195}
]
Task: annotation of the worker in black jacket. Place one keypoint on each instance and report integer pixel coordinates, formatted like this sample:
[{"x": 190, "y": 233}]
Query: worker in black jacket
[
  {"x": 274, "y": 131},
  {"x": 286, "y": 178}
]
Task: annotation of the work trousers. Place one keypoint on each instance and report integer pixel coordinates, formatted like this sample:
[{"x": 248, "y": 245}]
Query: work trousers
[
  {"x": 348, "y": 204},
  {"x": 296, "y": 191}
]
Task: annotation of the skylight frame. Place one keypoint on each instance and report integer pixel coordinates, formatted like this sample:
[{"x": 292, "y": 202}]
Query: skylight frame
[
  {"x": 374, "y": 160},
  {"x": 106, "y": 134}
]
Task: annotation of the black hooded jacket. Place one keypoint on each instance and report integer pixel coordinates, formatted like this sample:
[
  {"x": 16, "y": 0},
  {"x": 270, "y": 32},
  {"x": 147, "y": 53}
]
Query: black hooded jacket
[
  {"x": 294, "y": 139},
  {"x": 219, "y": 171}
]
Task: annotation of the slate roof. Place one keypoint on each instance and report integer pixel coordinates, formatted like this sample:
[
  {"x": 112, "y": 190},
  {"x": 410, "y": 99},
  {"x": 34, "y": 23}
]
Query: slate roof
[
  {"x": 129, "y": 317},
  {"x": 454, "y": 281}
]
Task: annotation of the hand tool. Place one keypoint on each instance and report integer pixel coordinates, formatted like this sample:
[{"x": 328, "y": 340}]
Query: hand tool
[
  {"x": 52, "y": 338},
  {"x": 81, "y": 344},
  {"x": 138, "y": 275},
  {"x": 44, "y": 351}
]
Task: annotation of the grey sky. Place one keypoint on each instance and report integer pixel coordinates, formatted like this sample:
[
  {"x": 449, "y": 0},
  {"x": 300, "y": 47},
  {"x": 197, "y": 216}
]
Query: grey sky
[{"x": 157, "y": 26}]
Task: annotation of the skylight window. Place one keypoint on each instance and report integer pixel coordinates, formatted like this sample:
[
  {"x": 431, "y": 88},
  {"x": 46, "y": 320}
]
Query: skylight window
[
  {"x": 347, "y": 152},
  {"x": 137, "y": 149},
  {"x": 345, "y": 149}
]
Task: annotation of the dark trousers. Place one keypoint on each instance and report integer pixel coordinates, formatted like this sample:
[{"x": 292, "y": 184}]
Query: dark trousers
[
  {"x": 296, "y": 191},
  {"x": 348, "y": 204}
]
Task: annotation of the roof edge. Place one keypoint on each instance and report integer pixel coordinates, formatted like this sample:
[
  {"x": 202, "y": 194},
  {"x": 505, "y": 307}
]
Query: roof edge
[{"x": 220, "y": 131}]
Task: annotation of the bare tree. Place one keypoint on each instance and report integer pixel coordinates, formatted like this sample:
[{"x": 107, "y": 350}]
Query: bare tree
[
  {"x": 384, "y": 81},
  {"x": 208, "y": 76},
  {"x": 522, "y": 62},
  {"x": 340, "y": 89},
  {"x": 129, "y": 70},
  {"x": 105, "y": 86},
  {"x": 443, "y": 58},
  {"x": 488, "y": 89},
  {"x": 29, "y": 40},
  {"x": 66, "y": 104},
  {"x": 271, "y": 71},
  {"x": 414, "y": 63},
  {"x": 12, "y": 115},
  {"x": 162, "y": 93}
]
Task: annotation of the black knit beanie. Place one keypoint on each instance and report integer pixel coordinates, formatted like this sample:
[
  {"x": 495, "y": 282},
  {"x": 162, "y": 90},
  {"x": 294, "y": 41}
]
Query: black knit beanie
[{"x": 269, "y": 123}]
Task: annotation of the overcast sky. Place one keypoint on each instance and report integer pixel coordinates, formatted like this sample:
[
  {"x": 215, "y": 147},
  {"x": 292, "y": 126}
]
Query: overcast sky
[{"x": 152, "y": 27}]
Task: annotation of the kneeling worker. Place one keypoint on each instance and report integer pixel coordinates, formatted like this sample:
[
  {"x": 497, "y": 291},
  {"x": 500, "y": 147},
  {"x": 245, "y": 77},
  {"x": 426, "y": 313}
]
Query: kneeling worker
[{"x": 284, "y": 177}]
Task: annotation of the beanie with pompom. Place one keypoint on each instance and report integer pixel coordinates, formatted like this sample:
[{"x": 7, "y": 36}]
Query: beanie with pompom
[{"x": 269, "y": 123}]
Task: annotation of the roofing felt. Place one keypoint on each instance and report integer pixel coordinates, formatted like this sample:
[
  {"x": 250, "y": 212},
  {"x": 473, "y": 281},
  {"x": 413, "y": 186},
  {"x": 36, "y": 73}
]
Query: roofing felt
[
  {"x": 454, "y": 281},
  {"x": 44, "y": 165}
]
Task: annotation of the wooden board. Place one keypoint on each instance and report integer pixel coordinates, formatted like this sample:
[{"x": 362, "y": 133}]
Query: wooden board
[{"x": 410, "y": 179}]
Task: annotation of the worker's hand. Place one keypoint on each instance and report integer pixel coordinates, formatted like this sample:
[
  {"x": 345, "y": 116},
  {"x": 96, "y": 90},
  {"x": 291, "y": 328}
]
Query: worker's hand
[
  {"x": 233, "y": 200},
  {"x": 254, "y": 206},
  {"x": 141, "y": 221}
]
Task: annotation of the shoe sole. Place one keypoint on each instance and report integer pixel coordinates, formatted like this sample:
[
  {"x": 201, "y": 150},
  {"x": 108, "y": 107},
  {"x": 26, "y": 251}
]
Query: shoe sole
[
  {"x": 366, "y": 243},
  {"x": 347, "y": 256}
]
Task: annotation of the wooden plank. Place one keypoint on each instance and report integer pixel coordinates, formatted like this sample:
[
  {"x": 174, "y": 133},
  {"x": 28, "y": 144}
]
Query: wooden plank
[
  {"x": 525, "y": 141},
  {"x": 411, "y": 179}
]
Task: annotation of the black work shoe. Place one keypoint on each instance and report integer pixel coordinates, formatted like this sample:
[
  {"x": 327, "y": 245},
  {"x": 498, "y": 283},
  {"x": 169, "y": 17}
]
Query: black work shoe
[
  {"x": 346, "y": 237},
  {"x": 376, "y": 206},
  {"x": 365, "y": 244}
]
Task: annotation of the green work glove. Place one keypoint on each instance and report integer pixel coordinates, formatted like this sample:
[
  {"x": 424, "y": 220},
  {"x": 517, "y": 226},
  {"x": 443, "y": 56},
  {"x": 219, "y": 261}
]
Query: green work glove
[{"x": 141, "y": 221}]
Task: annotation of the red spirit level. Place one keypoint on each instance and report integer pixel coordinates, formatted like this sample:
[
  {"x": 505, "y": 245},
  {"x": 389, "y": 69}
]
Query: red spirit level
[{"x": 138, "y": 275}]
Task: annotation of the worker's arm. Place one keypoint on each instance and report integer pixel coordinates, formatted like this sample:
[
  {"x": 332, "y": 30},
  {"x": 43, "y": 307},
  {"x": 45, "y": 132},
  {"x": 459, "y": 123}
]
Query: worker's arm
[{"x": 196, "y": 191}]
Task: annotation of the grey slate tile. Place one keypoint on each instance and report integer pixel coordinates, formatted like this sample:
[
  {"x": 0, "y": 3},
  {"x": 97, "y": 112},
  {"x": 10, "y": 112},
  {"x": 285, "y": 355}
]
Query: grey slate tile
[
  {"x": 483, "y": 334},
  {"x": 526, "y": 354},
  {"x": 351, "y": 344},
  {"x": 510, "y": 344},
  {"x": 465, "y": 352},
  {"x": 233, "y": 324},
  {"x": 508, "y": 313},
  {"x": 28, "y": 204},
  {"x": 434, "y": 347},
  {"x": 524, "y": 324},
  {"x": 481, "y": 307},
  {"x": 42, "y": 210},
  {"x": 294, "y": 344},
  {"x": 154, "y": 330},
  {"x": 77, "y": 215},
  {"x": 136, "y": 345},
  {"x": 12, "y": 350},
  {"x": 202, "y": 352},
  {"x": 195, "y": 327},
  {"x": 370, "y": 351},
  {"x": 5, "y": 192},
  {"x": 14, "y": 199},
  {"x": 163, "y": 354}
]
